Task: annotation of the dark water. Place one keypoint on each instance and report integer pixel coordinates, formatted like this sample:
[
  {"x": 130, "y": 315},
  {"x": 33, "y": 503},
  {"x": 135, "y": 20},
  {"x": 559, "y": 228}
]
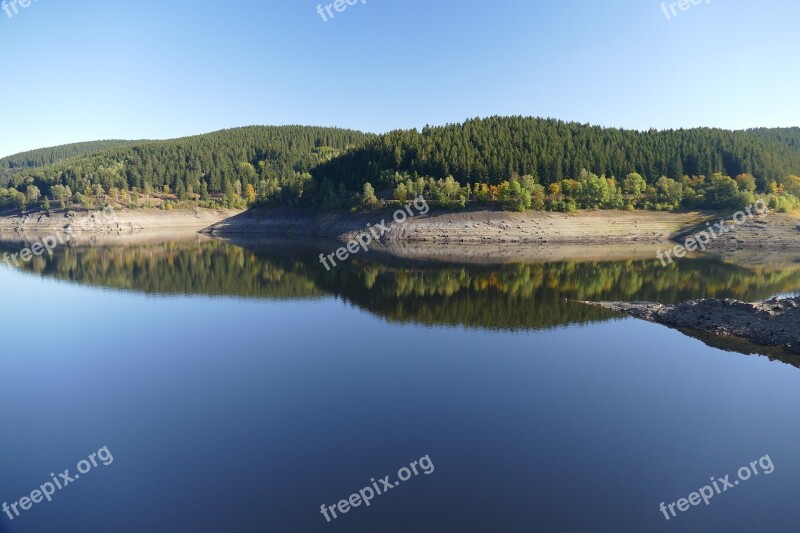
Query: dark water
[{"x": 240, "y": 389}]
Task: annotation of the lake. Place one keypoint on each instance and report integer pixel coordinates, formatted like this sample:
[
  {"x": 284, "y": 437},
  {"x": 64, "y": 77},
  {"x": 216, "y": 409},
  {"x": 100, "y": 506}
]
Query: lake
[{"x": 242, "y": 388}]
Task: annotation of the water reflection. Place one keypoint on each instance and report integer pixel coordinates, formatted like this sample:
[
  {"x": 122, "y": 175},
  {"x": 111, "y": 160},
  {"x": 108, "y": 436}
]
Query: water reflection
[
  {"x": 285, "y": 404},
  {"x": 507, "y": 297}
]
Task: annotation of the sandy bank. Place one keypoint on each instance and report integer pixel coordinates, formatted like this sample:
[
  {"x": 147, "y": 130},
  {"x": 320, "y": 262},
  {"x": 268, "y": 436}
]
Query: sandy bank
[
  {"x": 477, "y": 235},
  {"x": 767, "y": 240},
  {"x": 137, "y": 225},
  {"x": 471, "y": 226},
  {"x": 491, "y": 236}
]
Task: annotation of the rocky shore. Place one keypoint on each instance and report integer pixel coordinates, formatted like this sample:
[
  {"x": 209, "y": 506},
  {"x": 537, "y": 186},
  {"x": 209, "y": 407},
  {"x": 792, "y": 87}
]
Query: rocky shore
[{"x": 774, "y": 323}]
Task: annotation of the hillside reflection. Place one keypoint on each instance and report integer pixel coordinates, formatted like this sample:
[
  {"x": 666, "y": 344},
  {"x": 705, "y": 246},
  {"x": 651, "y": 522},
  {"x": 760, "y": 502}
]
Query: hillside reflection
[{"x": 510, "y": 296}]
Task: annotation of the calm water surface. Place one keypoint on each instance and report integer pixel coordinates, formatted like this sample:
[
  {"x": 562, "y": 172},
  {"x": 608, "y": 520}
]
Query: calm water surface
[{"x": 239, "y": 389}]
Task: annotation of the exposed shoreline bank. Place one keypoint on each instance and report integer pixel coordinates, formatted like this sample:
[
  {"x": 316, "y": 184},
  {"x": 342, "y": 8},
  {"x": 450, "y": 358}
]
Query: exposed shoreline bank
[
  {"x": 444, "y": 234},
  {"x": 471, "y": 226},
  {"x": 124, "y": 227}
]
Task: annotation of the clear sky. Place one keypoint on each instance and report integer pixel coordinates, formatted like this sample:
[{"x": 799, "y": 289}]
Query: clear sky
[{"x": 85, "y": 70}]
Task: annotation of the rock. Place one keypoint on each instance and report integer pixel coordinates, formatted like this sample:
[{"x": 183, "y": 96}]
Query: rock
[{"x": 772, "y": 323}]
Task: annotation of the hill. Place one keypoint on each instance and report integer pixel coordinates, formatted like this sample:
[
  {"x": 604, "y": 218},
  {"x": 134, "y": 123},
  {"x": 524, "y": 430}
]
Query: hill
[
  {"x": 47, "y": 156},
  {"x": 272, "y": 160},
  {"x": 495, "y": 149},
  {"x": 518, "y": 163},
  {"x": 522, "y": 163}
]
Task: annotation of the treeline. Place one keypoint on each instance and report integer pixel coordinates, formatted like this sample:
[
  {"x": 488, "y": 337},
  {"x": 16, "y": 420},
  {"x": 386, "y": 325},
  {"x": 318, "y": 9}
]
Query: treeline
[
  {"x": 589, "y": 191},
  {"x": 232, "y": 167},
  {"x": 47, "y": 156},
  {"x": 516, "y": 163},
  {"x": 495, "y": 149},
  {"x": 787, "y": 136},
  {"x": 523, "y": 163}
]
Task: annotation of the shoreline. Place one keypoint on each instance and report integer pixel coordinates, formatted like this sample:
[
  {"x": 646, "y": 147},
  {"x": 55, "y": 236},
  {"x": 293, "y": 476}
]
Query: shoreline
[
  {"x": 127, "y": 226},
  {"x": 469, "y": 227},
  {"x": 772, "y": 323},
  {"x": 477, "y": 234}
]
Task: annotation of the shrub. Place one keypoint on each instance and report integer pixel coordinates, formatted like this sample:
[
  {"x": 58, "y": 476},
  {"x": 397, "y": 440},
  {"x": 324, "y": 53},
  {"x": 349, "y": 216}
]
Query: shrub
[{"x": 513, "y": 197}]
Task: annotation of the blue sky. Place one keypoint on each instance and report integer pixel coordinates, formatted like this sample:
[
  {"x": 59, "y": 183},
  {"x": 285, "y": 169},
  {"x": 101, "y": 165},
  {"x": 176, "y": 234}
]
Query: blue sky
[{"x": 85, "y": 70}]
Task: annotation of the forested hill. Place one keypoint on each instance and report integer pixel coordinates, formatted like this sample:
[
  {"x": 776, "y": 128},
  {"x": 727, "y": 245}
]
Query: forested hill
[
  {"x": 788, "y": 136},
  {"x": 495, "y": 149},
  {"x": 514, "y": 162},
  {"x": 209, "y": 163},
  {"x": 48, "y": 156}
]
